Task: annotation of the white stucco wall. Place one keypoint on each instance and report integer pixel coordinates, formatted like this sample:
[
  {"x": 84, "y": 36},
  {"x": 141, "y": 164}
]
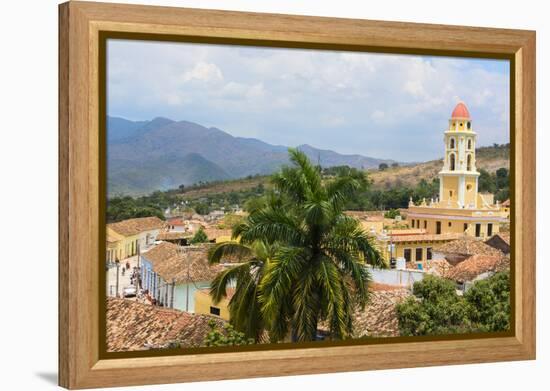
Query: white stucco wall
[{"x": 405, "y": 278}]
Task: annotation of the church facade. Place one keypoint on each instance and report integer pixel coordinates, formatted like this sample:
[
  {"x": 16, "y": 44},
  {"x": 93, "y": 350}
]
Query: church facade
[{"x": 460, "y": 207}]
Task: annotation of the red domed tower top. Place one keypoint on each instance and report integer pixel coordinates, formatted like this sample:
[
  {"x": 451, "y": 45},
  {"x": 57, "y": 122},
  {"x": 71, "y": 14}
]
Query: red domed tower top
[{"x": 461, "y": 111}]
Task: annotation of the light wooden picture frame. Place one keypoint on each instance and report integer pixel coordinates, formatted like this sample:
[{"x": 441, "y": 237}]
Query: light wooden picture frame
[{"x": 83, "y": 29}]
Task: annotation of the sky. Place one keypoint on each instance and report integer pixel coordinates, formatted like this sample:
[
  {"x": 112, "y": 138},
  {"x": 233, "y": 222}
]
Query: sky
[{"x": 378, "y": 105}]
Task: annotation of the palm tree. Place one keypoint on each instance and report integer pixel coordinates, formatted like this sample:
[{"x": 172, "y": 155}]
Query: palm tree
[
  {"x": 317, "y": 272},
  {"x": 244, "y": 308}
]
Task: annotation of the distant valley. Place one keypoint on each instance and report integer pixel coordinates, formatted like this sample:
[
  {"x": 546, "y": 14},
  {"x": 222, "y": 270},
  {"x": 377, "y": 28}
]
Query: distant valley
[{"x": 161, "y": 154}]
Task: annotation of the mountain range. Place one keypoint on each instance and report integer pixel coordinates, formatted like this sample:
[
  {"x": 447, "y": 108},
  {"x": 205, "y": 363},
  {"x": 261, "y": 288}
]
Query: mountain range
[{"x": 143, "y": 156}]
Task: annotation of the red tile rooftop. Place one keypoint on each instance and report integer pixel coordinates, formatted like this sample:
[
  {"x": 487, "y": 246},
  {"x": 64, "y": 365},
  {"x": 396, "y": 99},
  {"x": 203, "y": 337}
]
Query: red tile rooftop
[
  {"x": 135, "y": 326},
  {"x": 460, "y": 111}
]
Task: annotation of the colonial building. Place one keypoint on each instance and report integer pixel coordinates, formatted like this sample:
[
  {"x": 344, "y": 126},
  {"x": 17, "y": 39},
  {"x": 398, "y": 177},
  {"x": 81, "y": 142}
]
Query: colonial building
[
  {"x": 171, "y": 275},
  {"x": 124, "y": 238},
  {"x": 414, "y": 245},
  {"x": 460, "y": 207}
]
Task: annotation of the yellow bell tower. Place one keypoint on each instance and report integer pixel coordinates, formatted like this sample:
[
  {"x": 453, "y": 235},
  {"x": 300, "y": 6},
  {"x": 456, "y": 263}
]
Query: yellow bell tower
[
  {"x": 460, "y": 209},
  {"x": 458, "y": 178}
]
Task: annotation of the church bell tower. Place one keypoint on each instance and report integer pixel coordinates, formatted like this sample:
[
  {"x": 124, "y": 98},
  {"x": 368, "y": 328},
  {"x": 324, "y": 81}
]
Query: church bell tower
[{"x": 458, "y": 180}]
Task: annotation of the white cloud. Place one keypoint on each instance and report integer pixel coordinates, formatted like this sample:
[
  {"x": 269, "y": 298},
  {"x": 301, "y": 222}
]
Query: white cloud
[
  {"x": 414, "y": 87},
  {"x": 378, "y": 115},
  {"x": 285, "y": 96},
  {"x": 203, "y": 71}
]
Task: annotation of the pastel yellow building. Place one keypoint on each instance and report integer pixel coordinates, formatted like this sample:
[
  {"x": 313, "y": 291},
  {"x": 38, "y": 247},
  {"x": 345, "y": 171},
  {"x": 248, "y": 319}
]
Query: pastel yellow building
[
  {"x": 460, "y": 208},
  {"x": 414, "y": 245},
  {"x": 371, "y": 222},
  {"x": 204, "y": 304},
  {"x": 124, "y": 238}
]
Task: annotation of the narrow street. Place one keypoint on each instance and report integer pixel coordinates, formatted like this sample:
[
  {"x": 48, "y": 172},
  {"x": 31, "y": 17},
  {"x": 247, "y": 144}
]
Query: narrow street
[{"x": 123, "y": 277}]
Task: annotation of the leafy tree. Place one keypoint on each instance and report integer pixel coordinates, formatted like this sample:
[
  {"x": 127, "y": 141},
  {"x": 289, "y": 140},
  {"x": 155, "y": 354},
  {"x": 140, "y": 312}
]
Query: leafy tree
[
  {"x": 395, "y": 164},
  {"x": 318, "y": 269},
  {"x": 392, "y": 214},
  {"x": 436, "y": 308},
  {"x": 497, "y": 183},
  {"x": 490, "y": 302},
  {"x": 486, "y": 182},
  {"x": 199, "y": 237},
  {"x": 225, "y": 336},
  {"x": 244, "y": 306},
  {"x": 122, "y": 208},
  {"x": 229, "y": 221},
  {"x": 382, "y": 166},
  {"x": 502, "y": 180},
  {"x": 202, "y": 208}
]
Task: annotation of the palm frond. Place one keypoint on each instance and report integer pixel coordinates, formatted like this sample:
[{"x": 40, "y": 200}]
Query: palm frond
[
  {"x": 291, "y": 183},
  {"x": 353, "y": 265},
  {"x": 348, "y": 235},
  {"x": 340, "y": 189},
  {"x": 306, "y": 303},
  {"x": 227, "y": 278},
  {"x": 271, "y": 225},
  {"x": 231, "y": 249},
  {"x": 277, "y": 287},
  {"x": 310, "y": 173},
  {"x": 244, "y": 309},
  {"x": 331, "y": 288}
]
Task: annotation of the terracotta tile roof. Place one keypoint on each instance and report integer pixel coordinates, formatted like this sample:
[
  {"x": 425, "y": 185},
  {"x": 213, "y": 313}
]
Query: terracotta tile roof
[
  {"x": 215, "y": 233},
  {"x": 112, "y": 239},
  {"x": 476, "y": 265},
  {"x": 505, "y": 236},
  {"x": 438, "y": 267},
  {"x": 506, "y": 203},
  {"x": 500, "y": 241},
  {"x": 378, "y": 286},
  {"x": 173, "y": 235},
  {"x": 175, "y": 221},
  {"x": 188, "y": 264},
  {"x": 467, "y": 246},
  {"x": 136, "y": 326},
  {"x": 135, "y": 226},
  {"x": 379, "y": 318},
  {"x": 161, "y": 252}
]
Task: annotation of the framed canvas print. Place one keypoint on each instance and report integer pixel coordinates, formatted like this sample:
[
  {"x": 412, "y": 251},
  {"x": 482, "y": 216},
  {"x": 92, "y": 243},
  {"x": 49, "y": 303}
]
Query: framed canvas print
[{"x": 247, "y": 195}]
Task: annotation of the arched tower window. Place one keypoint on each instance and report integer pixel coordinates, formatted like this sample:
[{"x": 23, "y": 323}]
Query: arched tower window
[
  {"x": 469, "y": 163},
  {"x": 469, "y": 143},
  {"x": 452, "y": 161},
  {"x": 452, "y": 143}
]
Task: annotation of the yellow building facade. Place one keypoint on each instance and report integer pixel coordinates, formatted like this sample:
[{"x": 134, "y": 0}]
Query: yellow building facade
[
  {"x": 414, "y": 245},
  {"x": 204, "y": 305},
  {"x": 124, "y": 238},
  {"x": 460, "y": 208}
]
